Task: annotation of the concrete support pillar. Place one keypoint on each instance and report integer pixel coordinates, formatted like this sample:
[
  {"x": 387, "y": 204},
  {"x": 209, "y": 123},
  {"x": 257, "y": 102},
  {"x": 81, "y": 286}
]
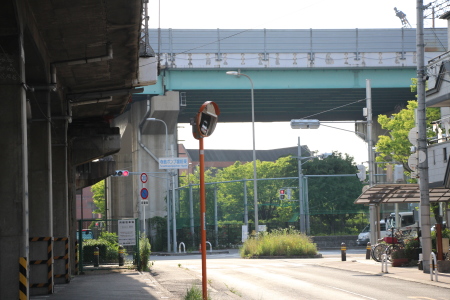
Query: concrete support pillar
[
  {"x": 13, "y": 183},
  {"x": 60, "y": 192},
  {"x": 40, "y": 187}
]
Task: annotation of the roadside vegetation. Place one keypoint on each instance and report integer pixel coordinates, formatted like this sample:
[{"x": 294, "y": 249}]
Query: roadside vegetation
[
  {"x": 144, "y": 252},
  {"x": 281, "y": 242},
  {"x": 194, "y": 293},
  {"x": 107, "y": 244}
]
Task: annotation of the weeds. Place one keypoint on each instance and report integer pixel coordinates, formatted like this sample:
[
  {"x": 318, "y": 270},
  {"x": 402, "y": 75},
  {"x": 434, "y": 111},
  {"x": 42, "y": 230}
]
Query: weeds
[
  {"x": 280, "y": 242},
  {"x": 194, "y": 293},
  {"x": 145, "y": 250}
]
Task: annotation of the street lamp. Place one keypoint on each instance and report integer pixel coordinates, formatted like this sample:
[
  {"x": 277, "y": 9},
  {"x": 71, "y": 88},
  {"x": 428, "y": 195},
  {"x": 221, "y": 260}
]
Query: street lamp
[
  {"x": 174, "y": 220},
  {"x": 255, "y": 185},
  {"x": 303, "y": 124}
]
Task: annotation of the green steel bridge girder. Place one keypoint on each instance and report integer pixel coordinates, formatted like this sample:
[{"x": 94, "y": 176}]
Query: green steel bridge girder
[{"x": 182, "y": 80}]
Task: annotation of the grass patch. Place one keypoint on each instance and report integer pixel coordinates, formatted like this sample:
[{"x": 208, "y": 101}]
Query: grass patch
[
  {"x": 194, "y": 293},
  {"x": 279, "y": 242}
]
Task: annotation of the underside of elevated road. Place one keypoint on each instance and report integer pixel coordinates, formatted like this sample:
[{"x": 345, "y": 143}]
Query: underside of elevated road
[{"x": 67, "y": 68}]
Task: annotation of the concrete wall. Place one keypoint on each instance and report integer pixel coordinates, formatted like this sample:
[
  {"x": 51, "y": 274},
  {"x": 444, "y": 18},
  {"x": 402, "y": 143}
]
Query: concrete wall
[{"x": 334, "y": 242}]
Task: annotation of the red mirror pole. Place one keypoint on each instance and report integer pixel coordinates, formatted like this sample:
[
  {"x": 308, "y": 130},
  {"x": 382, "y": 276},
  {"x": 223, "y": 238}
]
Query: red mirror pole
[{"x": 203, "y": 219}]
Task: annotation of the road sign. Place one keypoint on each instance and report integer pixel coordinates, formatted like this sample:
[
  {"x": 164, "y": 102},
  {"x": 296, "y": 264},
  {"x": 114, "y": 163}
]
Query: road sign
[
  {"x": 144, "y": 177},
  {"x": 144, "y": 202},
  {"x": 173, "y": 163},
  {"x": 144, "y": 193},
  {"x": 127, "y": 232}
]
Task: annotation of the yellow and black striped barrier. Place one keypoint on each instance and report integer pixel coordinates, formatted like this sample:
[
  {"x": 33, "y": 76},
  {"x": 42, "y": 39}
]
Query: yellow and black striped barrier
[
  {"x": 368, "y": 250},
  {"x": 23, "y": 278},
  {"x": 65, "y": 257},
  {"x": 49, "y": 262},
  {"x": 343, "y": 252},
  {"x": 96, "y": 257}
]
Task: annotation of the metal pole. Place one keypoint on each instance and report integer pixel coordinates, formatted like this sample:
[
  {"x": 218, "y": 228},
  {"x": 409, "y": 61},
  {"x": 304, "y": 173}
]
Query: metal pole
[
  {"x": 216, "y": 227},
  {"x": 301, "y": 217},
  {"x": 372, "y": 207},
  {"x": 255, "y": 183},
  {"x": 191, "y": 214},
  {"x": 174, "y": 217},
  {"x": 203, "y": 219},
  {"x": 422, "y": 143},
  {"x": 305, "y": 185},
  {"x": 245, "y": 203},
  {"x": 168, "y": 215},
  {"x": 169, "y": 178}
]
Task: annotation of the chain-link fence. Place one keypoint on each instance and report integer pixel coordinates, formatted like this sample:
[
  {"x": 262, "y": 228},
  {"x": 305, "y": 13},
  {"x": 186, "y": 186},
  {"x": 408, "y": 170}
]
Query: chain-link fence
[
  {"x": 107, "y": 243},
  {"x": 229, "y": 205}
]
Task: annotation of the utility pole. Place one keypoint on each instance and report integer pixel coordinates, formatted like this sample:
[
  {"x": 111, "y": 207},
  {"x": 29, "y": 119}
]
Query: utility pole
[
  {"x": 301, "y": 216},
  {"x": 373, "y": 209},
  {"x": 422, "y": 143}
]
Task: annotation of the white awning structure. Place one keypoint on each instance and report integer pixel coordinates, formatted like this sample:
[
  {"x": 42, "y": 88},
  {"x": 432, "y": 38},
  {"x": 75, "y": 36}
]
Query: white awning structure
[{"x": 400, "y": 193}]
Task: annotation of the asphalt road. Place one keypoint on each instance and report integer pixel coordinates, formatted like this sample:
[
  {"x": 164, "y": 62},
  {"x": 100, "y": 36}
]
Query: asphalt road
[{"x": 231, "y": 277}]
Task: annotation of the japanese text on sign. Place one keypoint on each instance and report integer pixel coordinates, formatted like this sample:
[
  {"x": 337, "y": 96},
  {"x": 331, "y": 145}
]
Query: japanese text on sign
[
  {"x": 127, "y": 232},
  {"x": 173, "y": 163}
]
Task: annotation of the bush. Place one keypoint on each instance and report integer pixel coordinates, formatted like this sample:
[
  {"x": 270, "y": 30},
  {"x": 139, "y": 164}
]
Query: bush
[
  {"x": 89, "y": 248},
  {"x": 108, "y": 247},
  {"x": 280, "y": 242},
  {"x": 144, "y": 252}
]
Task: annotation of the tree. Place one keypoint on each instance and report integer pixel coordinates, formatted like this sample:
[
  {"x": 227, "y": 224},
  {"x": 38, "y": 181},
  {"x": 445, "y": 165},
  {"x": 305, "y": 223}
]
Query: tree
[
  {"x": 331, "y": 199},
  {"x": 98, "y": 191},
  {"x": 395, "y": 147}
]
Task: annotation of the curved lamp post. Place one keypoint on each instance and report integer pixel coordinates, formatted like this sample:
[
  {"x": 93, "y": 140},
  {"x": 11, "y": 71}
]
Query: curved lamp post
[
  {"x": 255, "y": 184},
  {"x": 174, "y": 220}
]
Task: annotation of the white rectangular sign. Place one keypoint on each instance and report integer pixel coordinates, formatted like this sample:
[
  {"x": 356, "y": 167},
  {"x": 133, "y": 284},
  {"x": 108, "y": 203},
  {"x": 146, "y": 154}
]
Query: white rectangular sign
[
  {"x": 173, "y": 163},
  {"x": 127, "y": 232}
]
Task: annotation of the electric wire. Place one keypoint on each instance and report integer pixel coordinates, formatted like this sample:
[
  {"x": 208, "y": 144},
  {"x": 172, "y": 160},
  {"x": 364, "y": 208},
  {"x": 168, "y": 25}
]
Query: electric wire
[{"x": 335, "y": 108}]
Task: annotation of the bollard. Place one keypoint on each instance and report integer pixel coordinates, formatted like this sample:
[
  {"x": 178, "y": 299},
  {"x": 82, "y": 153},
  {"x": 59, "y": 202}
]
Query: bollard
[
  {"x": 368, "y": 249},
  {"x": 343, "y": 252},
  {"x": 96, "y": 257},
  {"x": 121, "y": 255}
]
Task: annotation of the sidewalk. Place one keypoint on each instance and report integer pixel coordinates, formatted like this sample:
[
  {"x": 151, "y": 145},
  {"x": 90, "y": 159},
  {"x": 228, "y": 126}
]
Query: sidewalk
[
  {"x": 131, "y": 284},
  {"x": 358, "y": 263},
  {"x": 111, "y": 285}
]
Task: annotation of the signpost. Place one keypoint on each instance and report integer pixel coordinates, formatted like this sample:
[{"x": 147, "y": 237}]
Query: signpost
[{"x": 203, "y": 126}]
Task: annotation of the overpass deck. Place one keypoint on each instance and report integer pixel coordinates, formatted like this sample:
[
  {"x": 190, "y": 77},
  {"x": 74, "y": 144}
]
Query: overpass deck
[{"x": 296, "y": 73}]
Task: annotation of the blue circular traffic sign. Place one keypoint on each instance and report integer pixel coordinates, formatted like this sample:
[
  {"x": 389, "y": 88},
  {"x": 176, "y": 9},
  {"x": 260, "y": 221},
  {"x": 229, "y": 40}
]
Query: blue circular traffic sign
[{"x": 144, "y": 193}]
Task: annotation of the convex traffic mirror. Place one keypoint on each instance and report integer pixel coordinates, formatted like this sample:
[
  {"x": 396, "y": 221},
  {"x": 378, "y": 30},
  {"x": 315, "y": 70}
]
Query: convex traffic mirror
[{"x": 206, "y": 119}]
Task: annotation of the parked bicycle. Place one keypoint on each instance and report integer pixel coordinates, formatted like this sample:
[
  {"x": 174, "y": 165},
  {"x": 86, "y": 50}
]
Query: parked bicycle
[{"x": 389, "y": 244}]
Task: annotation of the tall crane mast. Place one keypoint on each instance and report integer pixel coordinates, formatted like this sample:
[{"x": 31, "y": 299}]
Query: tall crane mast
[{"x": 402, "y": 16}]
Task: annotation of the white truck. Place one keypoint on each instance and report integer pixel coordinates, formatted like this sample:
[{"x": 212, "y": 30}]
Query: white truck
[
  {"x": 407, "y": 224},
  {"x": 364, "y": 236}
]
